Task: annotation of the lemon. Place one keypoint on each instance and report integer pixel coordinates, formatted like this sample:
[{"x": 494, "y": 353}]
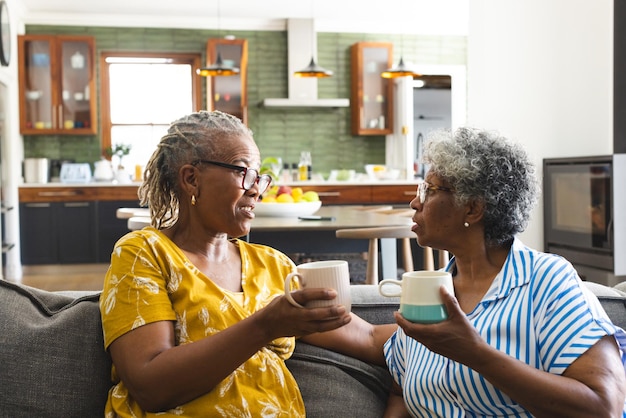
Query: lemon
[
  {"x": 284, "y": 198},
  {"x": 272, "y": 191},
  {"x": 269, "y": 199},
  {"x": 310, "y": 196},
  {"x": 297, "y": 193}
]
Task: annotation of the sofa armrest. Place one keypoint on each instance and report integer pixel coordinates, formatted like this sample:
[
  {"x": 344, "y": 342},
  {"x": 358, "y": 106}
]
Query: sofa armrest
[{"x": 53, "y": 361}]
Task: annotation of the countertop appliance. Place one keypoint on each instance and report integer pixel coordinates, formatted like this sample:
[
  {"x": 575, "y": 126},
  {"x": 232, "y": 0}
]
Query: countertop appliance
[
  {"x": 36, "y": 170},
  {"x": 75, "y": 173}
]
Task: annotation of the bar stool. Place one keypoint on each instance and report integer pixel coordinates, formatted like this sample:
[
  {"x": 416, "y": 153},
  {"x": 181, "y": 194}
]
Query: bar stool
[
  {"x": 374, "y": 234},
  {"x": 429, "y": 262}
]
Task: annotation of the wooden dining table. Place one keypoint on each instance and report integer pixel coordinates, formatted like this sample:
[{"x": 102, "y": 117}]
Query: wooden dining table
[{"x": 293, "y": 235}]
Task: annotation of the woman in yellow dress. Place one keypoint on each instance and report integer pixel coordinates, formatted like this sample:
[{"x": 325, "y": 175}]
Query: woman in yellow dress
[{"x": 196, "y": 321}]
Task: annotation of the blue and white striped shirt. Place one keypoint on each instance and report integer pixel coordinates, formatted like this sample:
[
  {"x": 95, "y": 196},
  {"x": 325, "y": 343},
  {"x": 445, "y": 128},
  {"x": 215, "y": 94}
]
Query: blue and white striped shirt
[{"x": 536, "y": 310}]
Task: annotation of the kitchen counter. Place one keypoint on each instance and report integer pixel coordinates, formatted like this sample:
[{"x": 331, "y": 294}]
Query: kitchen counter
[
  {"x": 75, "y": 185},
  {"x": 291, "y": 184},
  {"x": 75, "y": 192},
  {"x": 397, "y": 192}
]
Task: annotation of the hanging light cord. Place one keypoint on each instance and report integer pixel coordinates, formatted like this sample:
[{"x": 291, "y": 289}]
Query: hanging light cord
[
  {"x": 218, "y": 68},
  {"x": 313, "y": 70}
]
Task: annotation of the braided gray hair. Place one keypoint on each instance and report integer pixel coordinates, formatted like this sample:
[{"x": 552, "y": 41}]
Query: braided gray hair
[
  {"x": 487, "y": 167},
  {"x": 190, "y": 138}
]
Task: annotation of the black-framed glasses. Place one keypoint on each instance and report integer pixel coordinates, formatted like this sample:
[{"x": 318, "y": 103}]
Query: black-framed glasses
[
  {"x": 250, "y": 175},
  {"x": 424, "y": 187}
]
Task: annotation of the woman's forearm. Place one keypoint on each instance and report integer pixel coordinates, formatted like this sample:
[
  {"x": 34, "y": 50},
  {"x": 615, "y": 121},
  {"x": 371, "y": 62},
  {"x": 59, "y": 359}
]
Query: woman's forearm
[{"x": 358, "y": 339}]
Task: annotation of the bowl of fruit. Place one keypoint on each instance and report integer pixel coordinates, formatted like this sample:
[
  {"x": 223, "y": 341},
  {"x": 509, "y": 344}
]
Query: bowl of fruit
[{"x": 287, "y": 202}]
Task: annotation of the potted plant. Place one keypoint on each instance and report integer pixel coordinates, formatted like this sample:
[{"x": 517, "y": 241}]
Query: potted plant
[{"x": 119, "y": 151}]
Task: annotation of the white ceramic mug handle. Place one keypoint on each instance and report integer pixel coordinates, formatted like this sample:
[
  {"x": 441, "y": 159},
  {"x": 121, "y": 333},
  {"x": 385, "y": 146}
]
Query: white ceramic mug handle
[
  {"x": 288, "y": 279},
  {"x": 395, "y": 282}
]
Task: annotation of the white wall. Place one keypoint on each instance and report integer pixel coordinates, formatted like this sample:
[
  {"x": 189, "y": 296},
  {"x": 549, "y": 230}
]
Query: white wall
[
  {"x": 12, "y": 147},
  {"x": 540, "y": 71}
]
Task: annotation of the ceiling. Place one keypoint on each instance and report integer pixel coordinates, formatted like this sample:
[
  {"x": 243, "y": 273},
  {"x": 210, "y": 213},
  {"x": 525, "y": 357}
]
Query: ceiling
[{"x": 370, "y": 16}]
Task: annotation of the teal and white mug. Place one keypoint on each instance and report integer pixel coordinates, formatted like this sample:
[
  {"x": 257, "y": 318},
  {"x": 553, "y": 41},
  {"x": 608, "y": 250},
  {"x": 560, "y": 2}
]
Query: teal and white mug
[{"x": 420, "y": 300}]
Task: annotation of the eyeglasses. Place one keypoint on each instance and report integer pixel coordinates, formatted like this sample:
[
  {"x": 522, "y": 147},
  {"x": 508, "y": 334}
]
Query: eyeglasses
[
  {"x": 425, "y": 187},
  {"x": 250, "y": 175}
]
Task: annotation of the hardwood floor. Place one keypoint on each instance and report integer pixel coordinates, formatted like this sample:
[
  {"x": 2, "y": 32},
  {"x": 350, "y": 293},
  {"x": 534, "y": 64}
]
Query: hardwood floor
[{"x": 65, "y": 276}]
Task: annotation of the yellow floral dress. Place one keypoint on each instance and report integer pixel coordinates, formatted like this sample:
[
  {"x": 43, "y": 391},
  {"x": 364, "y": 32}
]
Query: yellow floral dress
[{"x": 150, "y": 279}]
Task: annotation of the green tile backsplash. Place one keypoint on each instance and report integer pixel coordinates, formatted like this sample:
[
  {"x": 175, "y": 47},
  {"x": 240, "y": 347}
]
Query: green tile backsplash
[{"x": 278, "y": 132}]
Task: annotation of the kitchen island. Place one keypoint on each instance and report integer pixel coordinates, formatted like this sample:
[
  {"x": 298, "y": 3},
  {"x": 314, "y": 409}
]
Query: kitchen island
[{"x": 305, "y": 238}]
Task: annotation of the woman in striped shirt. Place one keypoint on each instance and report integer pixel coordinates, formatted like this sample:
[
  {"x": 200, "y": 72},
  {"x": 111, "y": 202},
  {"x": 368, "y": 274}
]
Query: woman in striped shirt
[{"x": 524, "y": 337}]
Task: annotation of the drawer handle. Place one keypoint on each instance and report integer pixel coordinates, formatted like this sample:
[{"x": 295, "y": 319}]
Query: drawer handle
[
  {"x": 37, "y": 205},
  {"x": 66, "y": 193},
  {"x": 76, "y": 204},
  {"x": 329, "y": 194}
]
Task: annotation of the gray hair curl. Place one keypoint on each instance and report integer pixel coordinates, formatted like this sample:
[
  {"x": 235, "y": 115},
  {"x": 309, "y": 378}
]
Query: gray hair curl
[
  {"x": 190, "y": 138},
  {"x": 490, "y": 168}
]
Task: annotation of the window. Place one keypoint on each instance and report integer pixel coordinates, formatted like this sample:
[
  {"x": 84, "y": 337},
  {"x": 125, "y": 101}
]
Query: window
[{"x": 142, "y": 93}]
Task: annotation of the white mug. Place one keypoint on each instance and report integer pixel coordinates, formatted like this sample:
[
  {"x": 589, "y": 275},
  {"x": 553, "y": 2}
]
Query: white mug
[
  {"x": 332, "y": 274},
  {"x": 420, "y": 300}
]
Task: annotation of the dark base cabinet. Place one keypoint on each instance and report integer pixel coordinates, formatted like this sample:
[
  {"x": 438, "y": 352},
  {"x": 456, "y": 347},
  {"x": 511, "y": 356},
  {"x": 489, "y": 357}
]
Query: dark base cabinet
[
  {"x": 71, "y": 232},
  {"x": 110, "y": 228},
  {"x": 58, "y": 232}
]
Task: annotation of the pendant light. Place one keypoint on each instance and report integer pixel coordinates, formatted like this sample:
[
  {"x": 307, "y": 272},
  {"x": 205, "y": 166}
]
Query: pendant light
[
  {"x": 400, "y": 70},
  {"x": 218, "y": 68},
  {"x": 313, "y": 70}
]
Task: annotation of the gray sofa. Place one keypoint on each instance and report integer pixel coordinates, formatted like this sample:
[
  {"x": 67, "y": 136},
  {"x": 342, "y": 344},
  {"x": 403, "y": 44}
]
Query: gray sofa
[{"x": 52, "y": 361}]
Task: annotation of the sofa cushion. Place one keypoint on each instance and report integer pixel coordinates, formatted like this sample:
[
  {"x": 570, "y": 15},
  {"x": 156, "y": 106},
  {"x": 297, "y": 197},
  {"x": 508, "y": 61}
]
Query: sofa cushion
[
  {"x": 334, "y": 385},
  {"x": 52, "y": 357}
]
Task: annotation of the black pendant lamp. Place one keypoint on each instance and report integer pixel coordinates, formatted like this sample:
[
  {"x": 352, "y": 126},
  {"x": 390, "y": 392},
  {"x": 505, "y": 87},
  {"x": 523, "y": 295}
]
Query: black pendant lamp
[
  {"x": 313, "y": 70},
  {"x": 218, "y": 68},
  {"x": 400, "y": 70}
]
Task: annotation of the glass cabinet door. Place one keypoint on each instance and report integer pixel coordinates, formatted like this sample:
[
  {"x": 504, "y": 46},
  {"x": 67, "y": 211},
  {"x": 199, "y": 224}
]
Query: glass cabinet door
[
  {"x": 57, "y": 87},
  {"x": 75, "y": 102},
  {"x": 36, "y": 89},
  {"x": 371, "y": 101},
  {"x": 228, "y": 93}
]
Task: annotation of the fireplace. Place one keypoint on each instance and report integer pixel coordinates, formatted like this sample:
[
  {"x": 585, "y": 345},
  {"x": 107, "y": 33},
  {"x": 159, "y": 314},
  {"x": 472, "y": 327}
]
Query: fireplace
[{"x": 584, "y": 206}]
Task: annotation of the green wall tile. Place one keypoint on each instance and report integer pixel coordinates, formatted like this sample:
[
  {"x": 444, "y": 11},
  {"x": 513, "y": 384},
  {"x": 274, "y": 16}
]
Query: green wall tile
[{"x": 278, "y": 132}]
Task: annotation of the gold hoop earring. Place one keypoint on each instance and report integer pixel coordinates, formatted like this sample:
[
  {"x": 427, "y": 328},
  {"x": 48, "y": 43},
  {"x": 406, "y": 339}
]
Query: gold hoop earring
[
  {"x": 193, "y": 200},
  {"x": 466, "y": 224}
]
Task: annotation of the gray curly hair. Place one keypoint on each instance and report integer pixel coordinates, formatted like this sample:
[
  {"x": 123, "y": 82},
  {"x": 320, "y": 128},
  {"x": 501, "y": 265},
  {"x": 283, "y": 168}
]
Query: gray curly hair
[
  {"x": 487, "y": 167},
  {"x": 190, "y": 138}
]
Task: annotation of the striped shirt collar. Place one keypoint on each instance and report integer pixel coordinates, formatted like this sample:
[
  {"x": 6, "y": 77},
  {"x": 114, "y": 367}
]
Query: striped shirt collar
[{"x": 514, "y": 273}]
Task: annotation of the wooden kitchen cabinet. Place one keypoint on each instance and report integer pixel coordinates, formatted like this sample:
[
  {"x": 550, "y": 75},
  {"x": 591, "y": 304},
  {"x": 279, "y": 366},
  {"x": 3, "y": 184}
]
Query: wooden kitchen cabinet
[
  {"x": 342, "y": 195},
  {"x": 365, "y": 194},
  {"x": 57, "y": 85},
  {"x": 394, "y": 194},
  {"x": 371, "y": 99},
  {"x": 229, "y": 93}
]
